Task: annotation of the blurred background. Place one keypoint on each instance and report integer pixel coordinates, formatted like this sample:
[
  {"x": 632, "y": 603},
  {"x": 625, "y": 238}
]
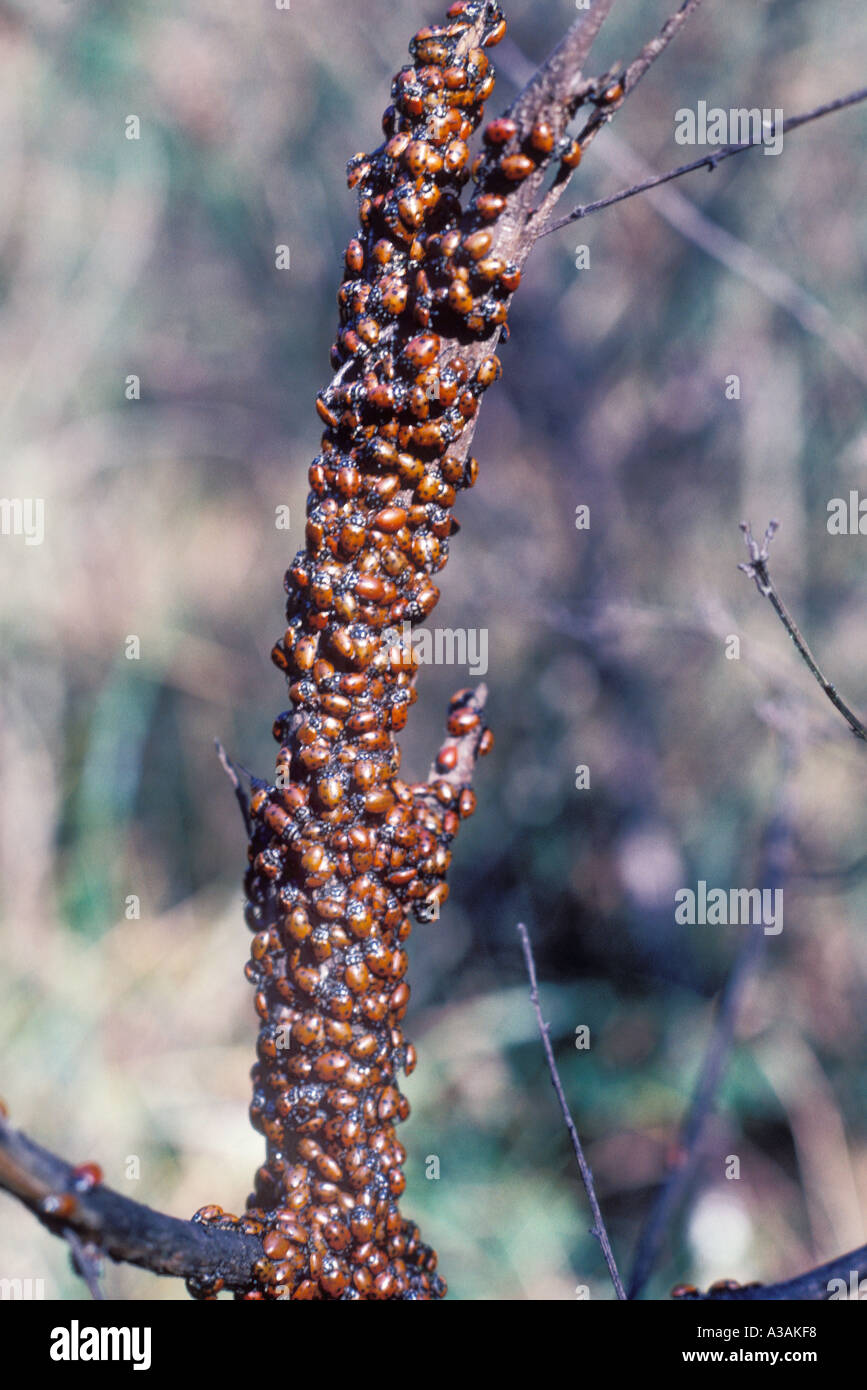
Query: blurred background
[{"x": 130, "y": 1038}]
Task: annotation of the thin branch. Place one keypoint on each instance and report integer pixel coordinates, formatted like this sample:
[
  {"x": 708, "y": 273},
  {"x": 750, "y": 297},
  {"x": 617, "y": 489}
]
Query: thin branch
[
  {"x": 654, "y": 48},
  {"x": 598, "y": 1228},
  {"x": 559, "y": 82},
  {"x": 693, "y": 224},
  {"x": 229, "y": 768},
  {"x": 633, "y": 74},
  {"x": 701, "y": 1106},
  {"x": 553, "y": 93},
  {"x": 85, "y": 1262},
  {"x": 610, "y": 94},
  {"x": 709, "y": 161},
  {"x": 757, "y": 569},
  {"x": 774, "y": 860},
  {"x": 125, "y": 1230},
  {"x": 742, "y": 260},
  {"x": 812, "y": 1286}
]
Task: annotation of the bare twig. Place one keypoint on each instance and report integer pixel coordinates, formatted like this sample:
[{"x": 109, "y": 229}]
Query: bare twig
[
  {"x": 708, "y": 161},
  {"x": 633, "y": 74},
  {"x": 756, "y": 269},
  {"x": 774, "y": 862},
  {"x": 654, "y": 48},
  {"x": 701, "y": 1105},
  {"x": 100, "y": 1219},
  {"x": 695, "y": 225},
  {"x": 610, "y": 94},
  {"x": 598, "y": 1228},
  {"x": 229, "y": 768},
  {"x": 757, "y": 569},
  {"x": 85, "y": 1262}
]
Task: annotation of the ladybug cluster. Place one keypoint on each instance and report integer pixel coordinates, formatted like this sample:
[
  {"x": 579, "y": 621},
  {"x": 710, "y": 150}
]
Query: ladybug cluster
[
  {"x": 716, "y": 1290},
  {"x": 341, "y": 849}
]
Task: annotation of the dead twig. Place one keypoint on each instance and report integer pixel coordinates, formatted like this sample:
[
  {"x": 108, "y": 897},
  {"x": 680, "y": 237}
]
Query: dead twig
[
  {"x": 598, "y": 1228},
  {"x": 94, "y": 1218},
  {"x": 757, "y": 569},
  {"x": 229, "y": 768},
  {"x": 708, "y": 161}
]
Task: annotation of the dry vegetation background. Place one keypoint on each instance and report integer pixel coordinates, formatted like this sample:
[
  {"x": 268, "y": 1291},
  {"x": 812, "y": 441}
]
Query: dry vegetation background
[{"x": 156, "y": 257}]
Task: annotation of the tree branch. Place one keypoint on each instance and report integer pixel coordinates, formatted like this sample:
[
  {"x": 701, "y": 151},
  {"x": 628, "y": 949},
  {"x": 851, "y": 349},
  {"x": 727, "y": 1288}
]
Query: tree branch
[
  {"x": 598, "y": 1228},
  {"x": 744, "y": 261},
  {"x": 125, "y": 1230},
  {"x": 456, "y": 760},
  {"x": 553, "y": 94},
  {"x": 812, "y": 1286},
  {"x": 708, "y": 161},
  {"x": 609, "y": 94},
  {"x": 229, "y": 768},
  {"x": 85, "y": 1262},
  {"x": 757, "y": 569},
  {"x": 633, "y": 74}
]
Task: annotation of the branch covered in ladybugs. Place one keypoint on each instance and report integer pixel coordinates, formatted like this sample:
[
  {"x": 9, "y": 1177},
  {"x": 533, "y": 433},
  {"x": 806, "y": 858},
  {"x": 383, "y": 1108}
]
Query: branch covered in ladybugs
[
  {"x": 73, "y": 1201},
  {"x": 838, "y": 1279},
  {"x": 342, "y": 850},
  {"x": 530, "y": 139},
  {"x": 469, "y": 739}
]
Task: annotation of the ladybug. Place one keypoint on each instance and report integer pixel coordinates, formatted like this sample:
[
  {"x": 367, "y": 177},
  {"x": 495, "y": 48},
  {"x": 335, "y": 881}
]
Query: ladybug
[
  {"x": 571, "y": 156},
  {"x": 501, "y": 131},
  {"x": 423, "y": 350},
  {"x": 542, "y": 137},
  {"x": 86, "y": 1176},
  {"x": 516, "y": 167},
  {"x": 60, "y": 1206}
]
